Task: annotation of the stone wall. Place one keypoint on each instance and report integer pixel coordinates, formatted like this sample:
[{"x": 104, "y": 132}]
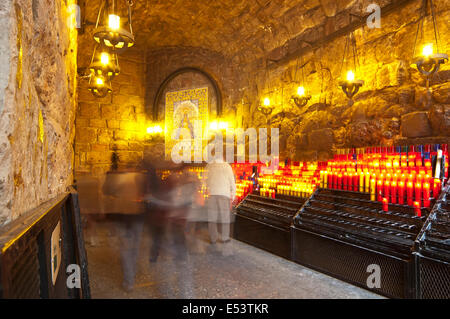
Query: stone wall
[
  {"x": 393, "y": 106},
  {"x": 115, "y": 122},
  {"x": 37, "y": 103}
]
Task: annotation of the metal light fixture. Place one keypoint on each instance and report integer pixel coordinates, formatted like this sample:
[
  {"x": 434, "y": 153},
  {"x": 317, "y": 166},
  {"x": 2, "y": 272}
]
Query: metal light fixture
[
  {"x": 428, "y": 62},
  {"x": 111, "y": 34},
  {"x": 350, "y": 85},
  {"x": 266, "y": 108},
  {"x": 301, "y": 98},
  {"x": 99, "y": 86},
  {"x": 104, "y": 64}
]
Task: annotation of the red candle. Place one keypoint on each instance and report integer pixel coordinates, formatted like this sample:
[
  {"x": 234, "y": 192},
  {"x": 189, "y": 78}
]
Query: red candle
[
  {"x": 350, "y": 182},
  {"x": 355, "y": 182},
  {"x": 418, "y": 192},
  {"x": 345, "y": 181},
  {"x": 385, "y": 204},
  {"x": 339, "y": 181},
  {"x": 409, "y": 193},
  {"x": 386, "y": 189},
  {"x": 380, "y": 190},
  {"x": 426, "y": 194},
  {"x": 436, "y": 188},
  {"x": 394, "y": 192},
  {"x": 330, "y": 180},
  {"x": 417, "y": 209},
  {"x": 401, "y": 192}
]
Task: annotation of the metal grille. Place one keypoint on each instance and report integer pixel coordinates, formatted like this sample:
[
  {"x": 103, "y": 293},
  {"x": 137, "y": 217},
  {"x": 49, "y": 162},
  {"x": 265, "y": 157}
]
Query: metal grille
[
  {"x": 434, "y": 279},
  {"x": 349, "y": 263},
  {"x": 25, "y": 274}
]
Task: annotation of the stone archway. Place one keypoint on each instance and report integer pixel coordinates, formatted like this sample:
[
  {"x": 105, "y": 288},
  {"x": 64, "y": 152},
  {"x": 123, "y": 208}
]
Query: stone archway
[{"x": 181, "y": 71}]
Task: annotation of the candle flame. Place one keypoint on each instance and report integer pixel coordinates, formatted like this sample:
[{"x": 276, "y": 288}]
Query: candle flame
[
  {"x": 114, "y": 22},
  {"x": 104, "y": 58},
  {"x": 301, "y": 91},
  {"x": 99, "y": 81},
  {"x": 350, "y": 76},
  {"x": 427, "y": 50},
  {"x": 266, "y": 101}
]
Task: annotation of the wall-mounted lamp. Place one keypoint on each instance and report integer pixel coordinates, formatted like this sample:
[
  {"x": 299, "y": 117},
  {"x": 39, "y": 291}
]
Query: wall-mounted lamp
[
  {"x": 104, "y": 64},
  {"x": 155, "y": 129}
]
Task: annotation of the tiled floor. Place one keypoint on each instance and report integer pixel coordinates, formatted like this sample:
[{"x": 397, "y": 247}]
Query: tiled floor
[{"x": 248, "y": 273}]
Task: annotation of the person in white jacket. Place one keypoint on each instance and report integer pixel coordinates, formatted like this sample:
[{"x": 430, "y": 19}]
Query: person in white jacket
[{"x": 221, "y": 186}]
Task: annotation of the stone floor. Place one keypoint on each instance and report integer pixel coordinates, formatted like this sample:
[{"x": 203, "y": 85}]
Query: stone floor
[{"x": 248, "y": 273}]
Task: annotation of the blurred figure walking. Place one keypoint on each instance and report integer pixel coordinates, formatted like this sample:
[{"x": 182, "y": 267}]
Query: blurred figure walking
[
  {"x": 123, "y": 192},
  {"x": 221, "y": 186}
]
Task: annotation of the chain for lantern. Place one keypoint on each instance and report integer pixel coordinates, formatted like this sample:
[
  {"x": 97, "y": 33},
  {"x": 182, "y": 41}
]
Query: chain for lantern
[
  {"x": 301, "y": 98},
  {"x": 350, "y": 85},
  {"x": 266, "y": 108},
  {"x": 428, "y": 62}
]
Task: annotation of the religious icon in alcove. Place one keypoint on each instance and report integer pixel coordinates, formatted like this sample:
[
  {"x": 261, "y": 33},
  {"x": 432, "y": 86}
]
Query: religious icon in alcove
[{"x": 184, "y": 115}]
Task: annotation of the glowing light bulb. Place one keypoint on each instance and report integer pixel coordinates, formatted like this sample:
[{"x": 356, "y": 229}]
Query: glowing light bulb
[
  {"x": 350, "y": 76},
  {"x": 213, "y": 125},
  {"x": 114, "y": 22},
  {"x": 149, "y": 130},
  {"x": 301, "y": 91},
  {"x": 427, "y": 50},
  {"x": 104, "y": 58},
  {"x": 266, "y": 101},
  {"x": 99, "y": 81},
  {"x": 158, "y": 129}
]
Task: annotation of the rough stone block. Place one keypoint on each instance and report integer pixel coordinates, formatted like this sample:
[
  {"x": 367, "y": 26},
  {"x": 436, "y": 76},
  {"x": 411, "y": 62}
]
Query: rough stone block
[
  {"x": 415, "y": 124},
  {"x": 89, "y": 110},
  {"x": 320, "y": 139},
  {"x": 108, "y": 111},
  {"x": 100, "y": 123},
  {"x": 86, "y": 135},
  {"x": 98, "y": 157}
]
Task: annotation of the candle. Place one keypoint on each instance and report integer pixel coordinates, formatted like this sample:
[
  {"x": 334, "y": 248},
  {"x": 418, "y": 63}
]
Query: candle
[
  {"x": 367, "y": 183},
  {"x": 361, "y": 182},
  {"x": 385, "y": 204},
  {"x": 401, "y": 192},
  {"x": 325, "y": 179},
  {"x": 417, "y": 210},
  {"x": 322, "y": 179},
  {"x": 339, "y": 181},
  {"x": 387, "y": 186},
  {"x": 380, "y": 190},
  {"x": 345, "y": 181},
  {"x": 418, "y": 192},
  {"x": 355, "y": 181},
  {"x": 372, "y": 189},
  {"x": 394, "y": 192},
  {"x": 436, "y": 188},
  {"x": 350, "y": 182},
  {"x": 409, "y": 193},
  {"x": 426, "y": 195},
  {"x": 330, "y": 180}
]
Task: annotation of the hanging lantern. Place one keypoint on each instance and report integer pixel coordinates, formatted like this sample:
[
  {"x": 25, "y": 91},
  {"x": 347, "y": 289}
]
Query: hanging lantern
[
  {"x": 111, "y": 34},
  {"x": 266, "y": 108},
  {"x": 104, "y": 64},
  {"x": 428, "y": 62},
  {"x": 350, "y": 85},
  {"x": 301, "y": 98},
  {"x": 99, "y": 86}
]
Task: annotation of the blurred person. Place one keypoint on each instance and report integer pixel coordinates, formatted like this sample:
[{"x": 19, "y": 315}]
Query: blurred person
[
  {"x": 123, "y": 191},
  {"x": 177, "y": 197},
  {"x": 221, "y": 186}
]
